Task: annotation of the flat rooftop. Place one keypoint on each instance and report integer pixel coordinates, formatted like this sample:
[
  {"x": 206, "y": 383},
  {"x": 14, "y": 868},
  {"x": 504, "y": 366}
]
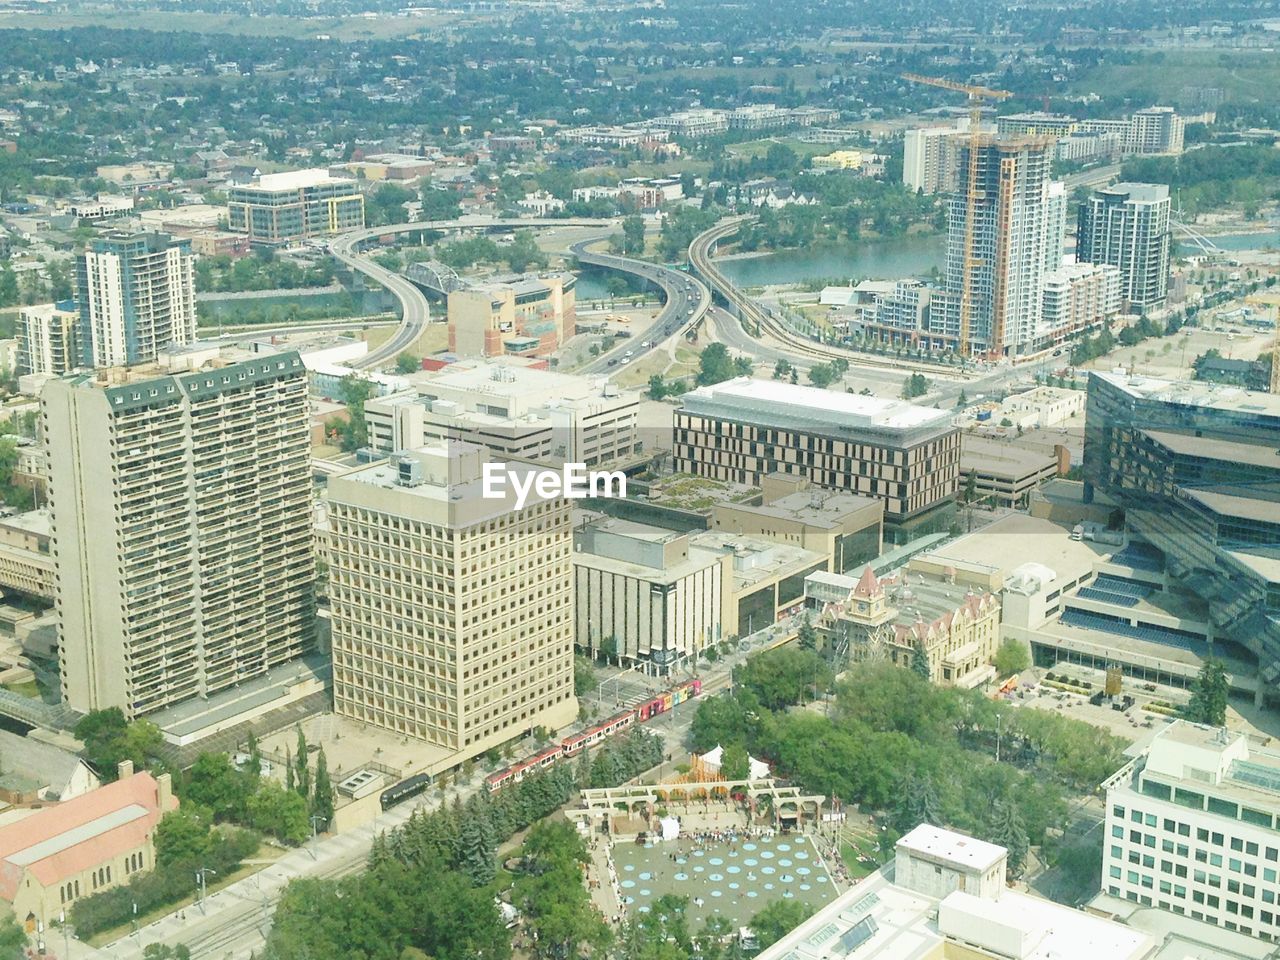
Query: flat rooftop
[
  {"x": 1180, "y": 937},
  {"x": 771, "y": 403},
  {"x": 1014, "y": 540},
  {"x": 951, "y": 847},
  {"x": 818, "y": 507},
  {"x": 1255, "y": 502},
  {"x": 1000, "y": 458},
  {"x": 1213, "y": 448},
  {"x": 756, "y": 560},
  {"x": 1195, "y": 393},
  {"x": 298, "y": 179},
  {"x": 878, "y": 920}
]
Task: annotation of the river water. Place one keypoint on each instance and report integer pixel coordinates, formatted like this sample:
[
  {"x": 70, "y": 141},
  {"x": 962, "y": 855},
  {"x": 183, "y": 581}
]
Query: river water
[{"x": 869, "y": 260}]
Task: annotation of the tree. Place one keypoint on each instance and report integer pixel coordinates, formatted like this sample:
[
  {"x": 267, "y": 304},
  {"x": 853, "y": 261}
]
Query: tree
[
  {"x": 735, "y": 764},
  {"x": 551, "y": 895},
  {"x": 162, "y": 951},
  {"x": 523, "y": 252},
  {"x": 806, "y": 636},
  {"x": 962, "y": 400},
  {"x": 821, "y": 375},
  {"x": 778, "y": 919},
  {"x": 1008, "y": 830},
  {"x": 301, "y": 771},
  {"x": 1011, "y": 658},
  {"x": 784, "y": 676},
  {"x": 633, "y": 235},
  {"x": 322, "y": 799},
  {"x": 584, "y": 676},
  {"x": 657, "y": 387},
  {"x": 971, "y": 487},
  {"x": 475, "y": 851},
  {"x": 183, "y": 835},
  {"x": 353, "y": 432},
  {"x": 108, "y": 739},
  {"x": 920, "y": 661},
  {"x": 714, "y": 365},
  {"x": 215, "y": 784},
  {"x": 439, "y": 204},
  {"x": 916, "y": 385},
  {"x": 279, "y": 812},
  {"x": 917, "y": 804},
  {"x": 13, "y": 940},
  {"x": 1209, "y": 692},
  {"x": 408, "y": 363}
]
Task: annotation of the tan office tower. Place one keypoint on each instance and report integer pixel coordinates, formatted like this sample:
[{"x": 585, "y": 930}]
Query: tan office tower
[
  {"x": 182, "y": 528},
  {"x": 452, "y": 611}
]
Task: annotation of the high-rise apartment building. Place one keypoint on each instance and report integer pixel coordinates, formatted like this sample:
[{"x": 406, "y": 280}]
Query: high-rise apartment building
[
  {"x": 1005, "y": 248},
  {"x": 1127, "y": 226},
  {"x": 48, "y": 338},
  {"x": 742, "y": 430},
  {"x": 182, "y": 528},
  {"x": 282, "y": 207},
  {"x": 137, "y": 295},
  {"x": 930, "y": 159},
  {"x": 452, "y": 611},
  {"x": 1155, "y": 130},
  {"x": 1194, "y": 467},
  {"x": 1192, "y": 828}
]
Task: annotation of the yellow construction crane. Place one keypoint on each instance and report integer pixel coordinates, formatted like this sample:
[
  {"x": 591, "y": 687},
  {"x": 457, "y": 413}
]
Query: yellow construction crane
[{"x": 977, "y": 96}]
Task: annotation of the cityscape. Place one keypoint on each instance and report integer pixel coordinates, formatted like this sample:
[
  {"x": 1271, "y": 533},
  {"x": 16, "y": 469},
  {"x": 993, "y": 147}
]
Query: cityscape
[{"x": 639, "y": 480}]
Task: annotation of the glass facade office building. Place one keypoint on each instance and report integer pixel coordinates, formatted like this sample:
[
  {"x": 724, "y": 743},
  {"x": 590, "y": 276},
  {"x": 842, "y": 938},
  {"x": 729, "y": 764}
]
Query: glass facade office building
[{"x": 1196, "y": 468}]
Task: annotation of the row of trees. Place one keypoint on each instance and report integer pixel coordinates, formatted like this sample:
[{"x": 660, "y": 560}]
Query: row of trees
[
  {"x": 262, "y": 271},
  {"x": 431, "y": 886}
]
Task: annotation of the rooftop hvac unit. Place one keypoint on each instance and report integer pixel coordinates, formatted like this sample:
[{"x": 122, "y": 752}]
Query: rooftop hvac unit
[{"x": 409, "y": 472}]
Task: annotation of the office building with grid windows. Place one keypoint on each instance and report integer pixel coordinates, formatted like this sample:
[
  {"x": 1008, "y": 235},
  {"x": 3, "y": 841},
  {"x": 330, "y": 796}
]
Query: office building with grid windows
[
  {"x": 452, "y": 611},
  {"x": 742, "y": 430},
  {"x": 282, "y": 207},
  {"x": 1191, "y": 827}
]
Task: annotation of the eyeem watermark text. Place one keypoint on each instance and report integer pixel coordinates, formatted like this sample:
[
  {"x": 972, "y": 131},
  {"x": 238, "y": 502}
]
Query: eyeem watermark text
[{"x": 573, "y": 481}]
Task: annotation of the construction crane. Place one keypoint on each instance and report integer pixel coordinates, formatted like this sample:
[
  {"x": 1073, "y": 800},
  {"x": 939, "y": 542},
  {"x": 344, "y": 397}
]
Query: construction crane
[{"x": 977, "y": 96}]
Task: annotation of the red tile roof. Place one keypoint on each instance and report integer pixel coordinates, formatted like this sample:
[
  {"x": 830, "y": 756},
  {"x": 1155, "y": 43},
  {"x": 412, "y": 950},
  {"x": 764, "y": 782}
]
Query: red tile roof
[{"x": 69, "y": 838}]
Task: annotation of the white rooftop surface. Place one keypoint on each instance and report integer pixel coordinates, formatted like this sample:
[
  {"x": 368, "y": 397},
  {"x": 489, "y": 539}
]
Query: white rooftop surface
[
  {"x": 508, "y": 380},
  {"x": 297, "y": 179},
  {"x": 904, "y": 925},
  {"x": 1196, "y": 393},
  {"x": 77, "y": 835},
  {"x": 1017, "y": 539},
  {"x": 952, "y": 847},
  {"x": 823, "y": 405}
]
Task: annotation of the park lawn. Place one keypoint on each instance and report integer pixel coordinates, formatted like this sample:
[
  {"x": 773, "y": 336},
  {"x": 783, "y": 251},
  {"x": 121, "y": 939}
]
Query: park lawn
[
  {"x": 1241, "y": 75},
  {"x": 860, "y": 846},
  {"x": 265, "y": 856},
  {"x": 638, "y": 372},
  {"x": 758, "y": 148}
]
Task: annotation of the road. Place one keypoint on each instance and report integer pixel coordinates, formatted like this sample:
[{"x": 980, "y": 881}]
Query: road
[
  {"x": 687, "y": 301},
  {"x": 415, "y": 313}
]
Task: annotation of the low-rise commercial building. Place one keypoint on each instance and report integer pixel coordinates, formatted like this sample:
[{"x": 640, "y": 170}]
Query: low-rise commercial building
[
  {"x": 1001, "y": 472},
  {"x": 742, "y": 430},
  {"x": 37, "y": 773},
  {"x": 514, "y": 410},
  {"x": 845, "y": 527},
  {"x": 1191, "y": 828},
  {"x": 87, "y": 845},
  {"x": 521, "y": 316},
  {"x": 945, "y": 898},
  {"x": 281, "y": 207}
]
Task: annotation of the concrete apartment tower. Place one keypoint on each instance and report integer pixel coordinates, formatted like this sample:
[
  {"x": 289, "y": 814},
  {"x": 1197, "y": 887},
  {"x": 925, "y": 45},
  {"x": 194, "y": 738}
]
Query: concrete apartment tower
[
  {"x": 137, "y": 295},
  {"x": 1127, "y": 226},
  {"x": 452, "y": 611},
  {"x": 182, "y": 528}
]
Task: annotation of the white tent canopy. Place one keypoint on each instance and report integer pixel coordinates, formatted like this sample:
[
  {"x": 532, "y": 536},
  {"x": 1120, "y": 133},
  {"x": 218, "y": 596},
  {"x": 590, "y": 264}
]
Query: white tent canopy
[{"x": 757, "y": 769}]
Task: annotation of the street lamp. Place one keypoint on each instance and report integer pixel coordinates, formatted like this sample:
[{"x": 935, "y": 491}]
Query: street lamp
[
  {"x": 314, "y": 818},
  {"x": 201, "y": 886},
  {"x": 66, "y": 933}
]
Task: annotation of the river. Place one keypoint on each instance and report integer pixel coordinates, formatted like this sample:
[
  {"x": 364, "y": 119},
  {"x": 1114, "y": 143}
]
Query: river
[{"x": 870, "y": 260}]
